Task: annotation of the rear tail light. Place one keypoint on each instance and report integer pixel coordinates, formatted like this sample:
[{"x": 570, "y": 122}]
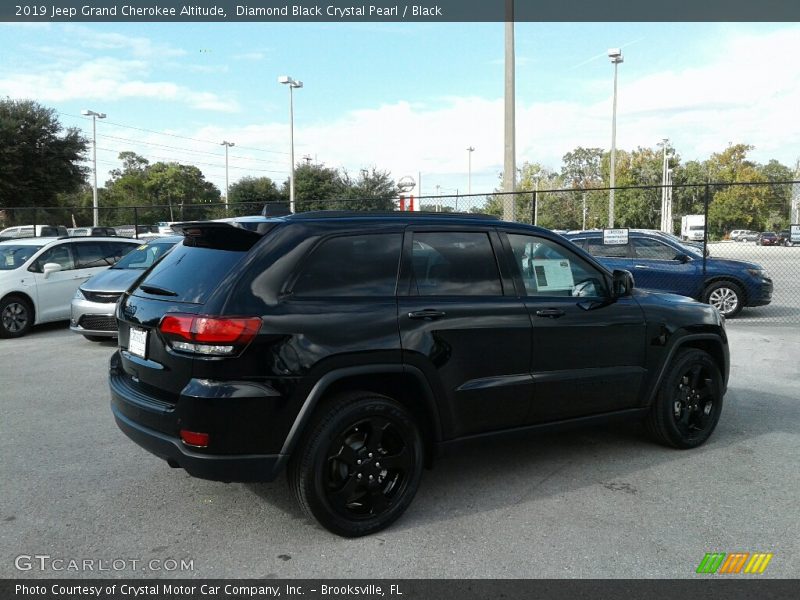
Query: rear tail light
[
  {"x": 194, "y": 438},
  {"x": 210, "y": 336}
]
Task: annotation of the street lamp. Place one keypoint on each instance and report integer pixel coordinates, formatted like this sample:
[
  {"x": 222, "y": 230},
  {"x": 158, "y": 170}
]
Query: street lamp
[
  {"x": 286, "y": 80},
  {"x": 615, "y": 54},
  {"x": 470, "y": 150},
  {"x": 227, "y": 145},
  {"x": 95, "y": 116}
]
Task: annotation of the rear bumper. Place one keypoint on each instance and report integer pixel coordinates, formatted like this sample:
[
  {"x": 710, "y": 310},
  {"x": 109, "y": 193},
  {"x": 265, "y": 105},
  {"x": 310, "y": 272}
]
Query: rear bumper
[
  {"x": 217, "y": 409},
  {"x": 258, "y": 467}
]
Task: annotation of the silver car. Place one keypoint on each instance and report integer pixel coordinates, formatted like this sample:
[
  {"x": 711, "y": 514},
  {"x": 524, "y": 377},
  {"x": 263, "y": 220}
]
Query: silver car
[{"x": 95, "y": 301}]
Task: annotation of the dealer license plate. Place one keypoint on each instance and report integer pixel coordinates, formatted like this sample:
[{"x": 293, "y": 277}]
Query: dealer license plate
[{"x": 137, "y": 342}]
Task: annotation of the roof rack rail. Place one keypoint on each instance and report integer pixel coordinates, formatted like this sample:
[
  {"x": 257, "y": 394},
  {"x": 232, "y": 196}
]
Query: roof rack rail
[{"x": 331, "y": 214}]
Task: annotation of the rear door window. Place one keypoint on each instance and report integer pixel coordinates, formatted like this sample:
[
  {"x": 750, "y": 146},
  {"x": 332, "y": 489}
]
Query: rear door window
[
  {"x": 351, "y": 266},
  {"x": 596, "y": 247},
  {"x": 454, "y": 264}
]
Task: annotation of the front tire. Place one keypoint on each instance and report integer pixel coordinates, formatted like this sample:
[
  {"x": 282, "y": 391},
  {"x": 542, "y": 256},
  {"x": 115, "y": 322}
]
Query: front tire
[
  {"x": 689, "y": 402},
  {"x": 359, "y": 467},
  {"x": 16, "y": 317},
  {"x": 726, "y": 296}
]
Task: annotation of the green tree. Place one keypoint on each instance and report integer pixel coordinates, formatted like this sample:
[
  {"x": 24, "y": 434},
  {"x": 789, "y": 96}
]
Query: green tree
[
  {"x": 318, "y": 187},
  {"x": 177, "y": 185},
  {"x": 39, "y": 159},
  {"x": 250, "y": 193},
  {"x": 736, "y": 206}
]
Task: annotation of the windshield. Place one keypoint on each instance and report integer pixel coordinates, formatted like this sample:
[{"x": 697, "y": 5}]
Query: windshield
[
  {"x": 13, "y": 256},
  {"x": 144, "y": 256}
]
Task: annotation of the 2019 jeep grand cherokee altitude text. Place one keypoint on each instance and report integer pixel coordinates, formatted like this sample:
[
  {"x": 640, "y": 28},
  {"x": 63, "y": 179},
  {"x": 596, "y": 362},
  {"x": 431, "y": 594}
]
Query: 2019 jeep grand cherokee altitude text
[{"x": 351, "y": 348}]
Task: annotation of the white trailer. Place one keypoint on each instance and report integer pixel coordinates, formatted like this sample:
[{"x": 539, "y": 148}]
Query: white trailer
[{"x": 693, "y": 227}]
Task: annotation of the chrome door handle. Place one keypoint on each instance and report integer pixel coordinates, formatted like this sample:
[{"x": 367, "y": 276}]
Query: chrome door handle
[
  {"x": 551, "y": 313},
  {"x": 427, "y": 314}
]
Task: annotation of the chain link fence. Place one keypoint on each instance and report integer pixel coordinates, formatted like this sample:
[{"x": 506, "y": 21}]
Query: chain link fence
[{"x": 746, "y": 235}]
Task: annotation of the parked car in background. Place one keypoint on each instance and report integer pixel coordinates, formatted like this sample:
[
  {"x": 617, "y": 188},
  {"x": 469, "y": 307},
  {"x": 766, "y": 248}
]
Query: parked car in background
[
  {"x": 351, "y": 348},
  {"x": 92, "y": 311},
  {"x": 785, "y": 238},
  {"x": 257, "y": 223},
  {"x": 749, "y": 236},
  {"x": 659, "y": 264},
  {"x": 736, "y": 234},
  {"x": 39, "y": 276},
  {"x": 165, "y": 227},
  {"x": 768, "y": 238},
  {"x": 24, "y": 231},
  {"x": 91, "y": 231},
  {"x": 128, "y": 230}
]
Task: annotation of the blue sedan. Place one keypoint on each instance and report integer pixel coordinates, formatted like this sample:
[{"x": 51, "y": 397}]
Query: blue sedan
[{"x": 663, "y": 265}]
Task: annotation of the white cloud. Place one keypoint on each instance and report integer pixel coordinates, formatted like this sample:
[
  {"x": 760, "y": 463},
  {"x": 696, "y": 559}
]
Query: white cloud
[{"x": 107, "y": 79}]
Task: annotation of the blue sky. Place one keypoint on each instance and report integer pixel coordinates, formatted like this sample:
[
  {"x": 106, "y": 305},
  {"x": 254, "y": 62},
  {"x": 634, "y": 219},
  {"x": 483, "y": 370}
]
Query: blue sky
[{"x": 408, "y": 98}]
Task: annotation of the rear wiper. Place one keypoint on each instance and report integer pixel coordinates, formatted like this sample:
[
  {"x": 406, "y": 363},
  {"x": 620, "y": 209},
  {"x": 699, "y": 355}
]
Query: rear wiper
[{"x": 157, "y": 291}]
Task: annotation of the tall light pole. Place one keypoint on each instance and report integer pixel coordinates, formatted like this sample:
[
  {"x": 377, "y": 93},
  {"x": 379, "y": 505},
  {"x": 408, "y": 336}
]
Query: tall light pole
[
  {"x": 665, "y": 219},
  {"x": 95, "y": 206},
  {"x": 615, "y": 54},
  {"x": 227, "y": 145},
  {"x": 293, "y": 84},
  {"x": 470, "y": 150},
  {"x": 509, "y": 157}
]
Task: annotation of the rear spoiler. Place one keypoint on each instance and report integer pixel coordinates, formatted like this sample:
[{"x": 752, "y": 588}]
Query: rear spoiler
[{"x": 221, "y": 236}]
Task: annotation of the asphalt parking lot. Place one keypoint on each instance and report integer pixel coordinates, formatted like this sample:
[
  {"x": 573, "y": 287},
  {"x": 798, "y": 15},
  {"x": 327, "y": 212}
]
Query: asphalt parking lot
[{"x": 592, "y": 503}]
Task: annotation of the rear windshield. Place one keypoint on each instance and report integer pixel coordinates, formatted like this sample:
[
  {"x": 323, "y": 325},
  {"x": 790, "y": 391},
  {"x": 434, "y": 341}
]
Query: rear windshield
[
  {"x": 189, "y": 273},
  {"x": 144, "y": 256}
]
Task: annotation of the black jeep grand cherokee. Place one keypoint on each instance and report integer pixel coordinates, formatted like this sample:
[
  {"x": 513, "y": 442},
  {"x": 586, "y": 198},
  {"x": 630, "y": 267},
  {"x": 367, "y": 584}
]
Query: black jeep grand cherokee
[{"x": 351, "y": 348}]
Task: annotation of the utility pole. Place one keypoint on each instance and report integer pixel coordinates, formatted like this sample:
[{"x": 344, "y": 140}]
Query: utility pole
[
  {"x": 95, "y": 204},
  {"x": 470, "y": 150},
  {"x": 615, "y": 54},
  {"x": 227, "y": 145},
  {"x": 509, "y": 159}
]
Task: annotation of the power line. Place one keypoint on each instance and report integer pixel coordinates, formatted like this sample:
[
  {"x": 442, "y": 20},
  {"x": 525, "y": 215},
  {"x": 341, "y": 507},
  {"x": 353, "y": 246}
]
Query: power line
[
  {"x": 185, "y": 150},
  {"x": 173, "y": 135}
]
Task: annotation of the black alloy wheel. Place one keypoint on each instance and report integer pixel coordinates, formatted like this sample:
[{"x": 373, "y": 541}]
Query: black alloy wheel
[
  {"x": 689, "y": 402},
  {"x": 16, "y": 317},
  {"x": 359, "y": 465}
]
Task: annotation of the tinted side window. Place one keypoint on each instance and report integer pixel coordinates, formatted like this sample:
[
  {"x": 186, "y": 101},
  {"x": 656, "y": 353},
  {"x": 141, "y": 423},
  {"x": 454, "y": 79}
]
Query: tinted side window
[
  {"x": 455, "y": 264},
  {"x": 355, "y": 265},
  {"x": 549, "y": 269},
  {"x": 596, "y": 247},
  {"x": 60, "y": 255},
  {"x": 647, "y": 248},
  {"x": 92, "y": 254}
]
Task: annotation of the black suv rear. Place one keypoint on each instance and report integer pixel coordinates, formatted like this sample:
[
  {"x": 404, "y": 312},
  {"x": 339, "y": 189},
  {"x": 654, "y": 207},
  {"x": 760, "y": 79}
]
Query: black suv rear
[{"x": 352, "y": 348}]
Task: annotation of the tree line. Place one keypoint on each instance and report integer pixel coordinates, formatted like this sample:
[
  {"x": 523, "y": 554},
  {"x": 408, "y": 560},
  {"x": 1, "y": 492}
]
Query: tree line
[
  {"x": 578, "y": 203},
  {"x": 41, "y": 166}
]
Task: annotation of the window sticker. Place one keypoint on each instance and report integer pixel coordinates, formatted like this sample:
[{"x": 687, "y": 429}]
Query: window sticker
[
  {"x": 615, "y": 237},
  {"x": 553, "y": 275}
]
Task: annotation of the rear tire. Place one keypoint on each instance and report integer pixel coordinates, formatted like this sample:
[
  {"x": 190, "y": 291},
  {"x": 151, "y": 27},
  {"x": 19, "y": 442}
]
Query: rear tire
[
  {"x": 727, "y": 297},
  {"x": 16, "y": 317},
  {"x": 359, "y": 466},
  {"x": 689, "y": 401}
]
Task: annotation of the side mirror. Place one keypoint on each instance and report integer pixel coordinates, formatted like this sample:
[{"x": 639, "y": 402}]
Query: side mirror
[
  {"x": 50, "y": 268},
  {"x": 682, "y": 258},
  {"x": 621, "y": 283}
]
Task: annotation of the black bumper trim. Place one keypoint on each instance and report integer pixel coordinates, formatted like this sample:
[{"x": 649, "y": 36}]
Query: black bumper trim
[{"x": 217, "y": 467}]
